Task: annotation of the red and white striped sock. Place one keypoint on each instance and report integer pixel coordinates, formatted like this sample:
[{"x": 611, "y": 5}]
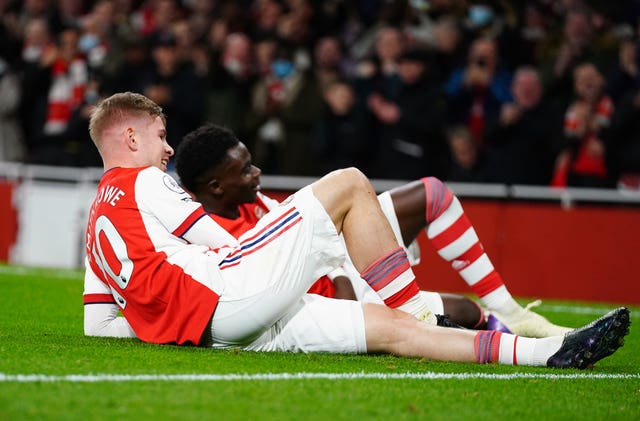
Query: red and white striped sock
[
  {"x": 393, "y": 280},
  {"x": 455, "y": 240},
  {"x": 493, "y": 346}
]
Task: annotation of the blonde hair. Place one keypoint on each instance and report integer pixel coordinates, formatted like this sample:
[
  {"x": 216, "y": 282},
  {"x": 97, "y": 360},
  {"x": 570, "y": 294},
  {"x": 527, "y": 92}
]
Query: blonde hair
[{"x": 118, "y": 107}]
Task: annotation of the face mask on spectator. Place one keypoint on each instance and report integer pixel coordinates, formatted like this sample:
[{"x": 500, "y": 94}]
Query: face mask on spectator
[
  {"x": 480, "y": 15},
  {"x": 235, "y": 67},
  {"x": 282, "y": 68},
  {"x": 88, "y": 42},
  {"x": 31, "y": 53}
]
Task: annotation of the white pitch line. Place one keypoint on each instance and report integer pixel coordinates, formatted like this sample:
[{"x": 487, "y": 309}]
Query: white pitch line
[
  {"x": 578, "y": 310},
  {"x": 94, "y": 378}
]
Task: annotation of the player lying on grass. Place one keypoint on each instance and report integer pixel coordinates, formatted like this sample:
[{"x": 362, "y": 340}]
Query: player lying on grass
[
  {"x": 216, "y": 168},
  {"x": 179, "y": 278}
]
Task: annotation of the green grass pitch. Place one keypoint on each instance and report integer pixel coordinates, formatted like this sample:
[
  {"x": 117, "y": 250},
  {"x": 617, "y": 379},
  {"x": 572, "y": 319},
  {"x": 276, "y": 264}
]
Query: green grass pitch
[{"x": 49, "y": 370}]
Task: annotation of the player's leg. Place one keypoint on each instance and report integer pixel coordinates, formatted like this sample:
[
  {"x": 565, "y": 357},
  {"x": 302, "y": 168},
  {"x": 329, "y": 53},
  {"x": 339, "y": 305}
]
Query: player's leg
[
  {"x": 320, "y": 324},
  {"x": 463, "y": 311},
  {"x": 391, "y": 331},
  {"x": 430, "y": 203},
  {"x": 351, "y": 202}
]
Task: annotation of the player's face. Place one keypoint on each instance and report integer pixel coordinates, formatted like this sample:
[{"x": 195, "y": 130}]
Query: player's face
[
  {"x": 238, "y": 177},
  {"x": 154, "y": 149}
]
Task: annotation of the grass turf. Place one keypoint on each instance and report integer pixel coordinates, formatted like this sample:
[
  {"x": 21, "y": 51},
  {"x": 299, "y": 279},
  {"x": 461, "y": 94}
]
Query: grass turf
[{"x": 41, "y": 333}]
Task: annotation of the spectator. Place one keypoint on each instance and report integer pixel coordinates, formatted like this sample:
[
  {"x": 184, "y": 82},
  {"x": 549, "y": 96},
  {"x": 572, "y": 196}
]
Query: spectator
[
  {"x": 483, "y": 19},
  {"x": 329, "y": 64},
  {"x": 69, "y": 76},
  {"x": 519, "y": 148},
  {"x": 12, "y": 147},
  {"x": 35, "y": 9},
  {"x": 36, "y": 55},
  {"x": 341, "y": 135},
  {"x": 175, "y": 86},
  {"x": 97, "y": 38},
  {"x": 415, "y": 26},
  {"x": 408, "y": 122},
  {"x": 478, "y": 90},
  {"x": 67, "y": 13},
  {"x": 199, "y": 17},
  {"x": 294, "y": 28},
  {"x": 130, "y": 72},
  {"x": 582, "y": 161},
  {"x": 523, "y": 42},
  {"x": 448, "y": 49},
  {"x": 231, "y": 78},
  {"x": 624, "y": 149},
  {"x": 380, "y": 71},
  {"x": 265, "y": 16},
  {"x": 155, "y": 17},
  {"x": 467, "y": 163},
  {"x": 285, "y": 106},
  {"x": 578, "y": 44},
  {"x": 10, "y": 33},
  {"x": 111, "y": 27},
  {"x": 58, "y": 83},
  {"x": 623, "y": 74}
]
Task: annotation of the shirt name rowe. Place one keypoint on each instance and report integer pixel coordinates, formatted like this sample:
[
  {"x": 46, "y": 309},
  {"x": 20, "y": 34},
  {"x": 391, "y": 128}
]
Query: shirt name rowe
[{"x": 109, "y": 194}]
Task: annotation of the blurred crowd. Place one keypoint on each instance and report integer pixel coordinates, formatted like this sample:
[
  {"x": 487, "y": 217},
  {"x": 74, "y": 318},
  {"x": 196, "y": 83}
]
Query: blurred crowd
[{"x": 542, "y": 92}]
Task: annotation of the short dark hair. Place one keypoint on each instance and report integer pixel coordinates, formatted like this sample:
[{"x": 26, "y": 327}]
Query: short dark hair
[{"x": 201, "y": 151}]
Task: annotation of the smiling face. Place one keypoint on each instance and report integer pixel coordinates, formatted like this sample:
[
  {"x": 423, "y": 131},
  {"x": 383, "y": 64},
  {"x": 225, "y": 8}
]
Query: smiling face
[
  {"x": 150, "y": 137},
  {"x": 236, "y": 180}
]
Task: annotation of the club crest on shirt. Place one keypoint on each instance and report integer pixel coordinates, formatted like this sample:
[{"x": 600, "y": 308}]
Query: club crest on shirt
[{"x": 172, "y": 184}]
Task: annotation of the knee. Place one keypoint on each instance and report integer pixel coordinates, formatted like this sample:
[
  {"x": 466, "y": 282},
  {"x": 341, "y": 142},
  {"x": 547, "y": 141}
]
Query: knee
[
  {"x": 434, "y": 185},
  {"x": 353, "y": 175},
  {"x": 338, "y": 190},
  {"x": 352, "y": 181},
  {"x": 431, "y": 179},
  {"x": 438, "y": 197}
]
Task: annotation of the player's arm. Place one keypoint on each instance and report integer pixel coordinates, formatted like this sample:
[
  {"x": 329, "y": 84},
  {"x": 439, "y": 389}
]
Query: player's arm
[
  {"x": 101, "y": 311},
  {"x": 159, "y": 194}
]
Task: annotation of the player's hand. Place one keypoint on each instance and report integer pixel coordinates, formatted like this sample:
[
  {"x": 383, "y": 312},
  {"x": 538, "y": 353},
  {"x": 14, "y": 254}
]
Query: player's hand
[
  {"x": 49, "y": 55},
  {"x": 509, "y": 114},
  {"x": 386, "y": 111}
]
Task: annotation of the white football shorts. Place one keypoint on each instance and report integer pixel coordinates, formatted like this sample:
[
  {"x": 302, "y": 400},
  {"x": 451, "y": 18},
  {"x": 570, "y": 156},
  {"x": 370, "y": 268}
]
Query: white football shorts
[
  {"x": 276, "y": 262},
  {"x": 317, "y": 324}
]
